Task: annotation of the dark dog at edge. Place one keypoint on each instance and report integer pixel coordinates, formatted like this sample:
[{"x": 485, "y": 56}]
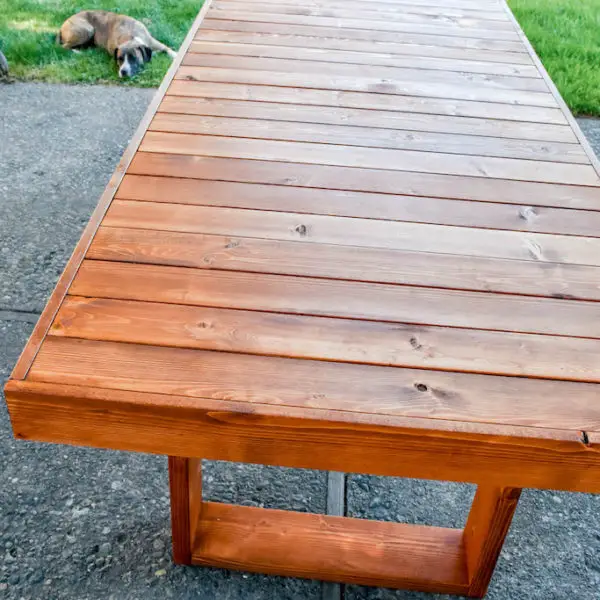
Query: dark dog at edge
[{"x": 128, "y": 40}]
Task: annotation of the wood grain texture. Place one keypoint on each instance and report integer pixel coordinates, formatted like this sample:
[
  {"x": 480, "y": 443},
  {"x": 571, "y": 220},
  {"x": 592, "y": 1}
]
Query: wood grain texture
[
  {"x": 489, "y": 12},
  {"x": 200, "y": 68},
  {"x": 318, "y": 338},
  {"x": 211, "y": 105},
  {"x": 378, "y": 265},
  {"x": 486, "y": 529},
  {"x": 297, "y": 26},
  {"x": 210, "y": 83},
  {"x": 341, "y": 203},
  {"x": 376, "y": 233},
  {"x": 221, "y": 429},
  {"x": 329, "y": 298},
  {"x": 333, "y": 386},
  {"x": 374, "y": 26},
  {"x": 334, "y": 55},
  {"x": 371, "y": 158},
  {"x": 331, "y": 548},
  {"x": 371, "y": 137},
  {"x": 310, "y": 64},
  {"x": 383, "y": 181},
  {"x": 365, "y": 11},
  {"x": 223, "y": 31}
]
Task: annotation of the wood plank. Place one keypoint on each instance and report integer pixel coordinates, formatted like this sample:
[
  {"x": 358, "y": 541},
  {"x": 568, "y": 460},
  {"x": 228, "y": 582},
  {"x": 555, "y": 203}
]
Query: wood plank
[
  {"x": 37, "y": 336},
  {"x": 370, "y": 158},
  {"x": 365, "y": 84},
  {"x": 488, "y": 5},
  {"x": 224, "y": 31},
  {"x": 318, "y": 66},
  {"x": 455, "y": 23},
  {"x": 368, "y": 137},
  {"x": 333, "y": 31},
  {"x": 213, "y": 88},
  {"x": 485, "y": 13},
  {"x": 387, "y": 119},
  {"x": 332, "y": 548},
  {"x": 344, "y": 231},
  {"x": 263, "y": 49},
  {"x": 328, "y": 386},
  {"x": 319, "y": 338},
  {"x": 60, "y": 395},
  {"x": 364, "y": 180},
  {"x": 488, "y": 523},
  {"x": 491, "y": 10},
  {"x": 416, "y": 209},
  {"x": 397, "y": 80},
  {"x": 287, "y": 436},
  {"x": 367, "y": 25},
  {"x": 376, "y": 265},
  {"x": 318, "y": 297}
]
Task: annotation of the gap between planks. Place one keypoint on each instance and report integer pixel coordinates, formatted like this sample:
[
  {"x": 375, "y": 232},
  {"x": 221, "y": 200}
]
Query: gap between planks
[
  {"x": 264, "y": 127},
  {"x": 374, "y": 160},
  {"x": 336, "y": 506},
  {"x": 210, "y": 85},
  {"x": 216, "y": 103},
  {"x": 357, "y": 179},
  {"x": 394, "y": 49}
]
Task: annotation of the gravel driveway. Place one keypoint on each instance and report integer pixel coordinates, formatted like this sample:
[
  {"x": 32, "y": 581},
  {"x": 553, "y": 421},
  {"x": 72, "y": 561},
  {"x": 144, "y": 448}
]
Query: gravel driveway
[{"x": 83, "y": 524}]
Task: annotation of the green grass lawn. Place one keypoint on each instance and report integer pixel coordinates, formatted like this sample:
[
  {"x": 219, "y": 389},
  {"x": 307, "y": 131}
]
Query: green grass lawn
[
  {"x": 28, "y": 38},
  {"x": 566, "y": 36}
]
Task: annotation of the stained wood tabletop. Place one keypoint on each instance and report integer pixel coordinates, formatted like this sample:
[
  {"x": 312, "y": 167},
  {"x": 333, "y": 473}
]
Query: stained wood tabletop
[{"x": 381, "y": 211}]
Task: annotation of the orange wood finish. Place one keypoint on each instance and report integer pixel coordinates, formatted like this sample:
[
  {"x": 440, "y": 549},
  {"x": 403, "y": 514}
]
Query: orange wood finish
[
  {"x": 355, "y": 236},
  {"x": 333, "y": 548}
]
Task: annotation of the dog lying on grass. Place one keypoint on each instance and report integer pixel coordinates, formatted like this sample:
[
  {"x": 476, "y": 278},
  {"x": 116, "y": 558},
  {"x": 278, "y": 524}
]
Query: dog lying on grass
[{"x": 125, "y": 38}]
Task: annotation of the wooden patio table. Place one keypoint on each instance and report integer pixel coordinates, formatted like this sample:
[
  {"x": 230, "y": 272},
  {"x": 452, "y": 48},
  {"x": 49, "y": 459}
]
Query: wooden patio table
[{"x": 354, "y": 236}]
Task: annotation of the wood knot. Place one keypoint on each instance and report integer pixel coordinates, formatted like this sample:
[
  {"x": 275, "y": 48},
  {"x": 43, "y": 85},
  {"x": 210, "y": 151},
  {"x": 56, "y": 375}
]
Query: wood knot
[
  {"x": 421, "y": 387},
  {"x": 414, "y": 342},
  {"x": 534, "y": 250},
  {"x": 301, "y": 230},
  {"x": 527, "y": 213}
]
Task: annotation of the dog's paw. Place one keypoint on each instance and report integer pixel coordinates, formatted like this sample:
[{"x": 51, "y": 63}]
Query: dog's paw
[{"x": 171, "y": 53}]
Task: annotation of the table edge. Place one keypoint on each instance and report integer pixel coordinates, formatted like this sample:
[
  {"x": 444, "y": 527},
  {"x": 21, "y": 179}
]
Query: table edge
[{"x": 69, "y": 273}]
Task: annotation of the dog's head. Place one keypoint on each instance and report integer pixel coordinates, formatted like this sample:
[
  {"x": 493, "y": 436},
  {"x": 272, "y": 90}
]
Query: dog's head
[{"x": 131, "y": 56}]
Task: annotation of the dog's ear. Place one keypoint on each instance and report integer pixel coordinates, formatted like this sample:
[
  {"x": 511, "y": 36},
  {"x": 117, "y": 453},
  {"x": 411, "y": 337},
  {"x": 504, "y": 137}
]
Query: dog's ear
[
  {"x": 146, "y": 53},
  {"x": 116, "y": 51}
]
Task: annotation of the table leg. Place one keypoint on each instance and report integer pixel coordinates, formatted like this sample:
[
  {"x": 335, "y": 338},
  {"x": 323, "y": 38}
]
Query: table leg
[
  {"x": 335, "y": 548},
  {"x": 185, "y": 481},
  {"x": 485, "y": 531}
]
